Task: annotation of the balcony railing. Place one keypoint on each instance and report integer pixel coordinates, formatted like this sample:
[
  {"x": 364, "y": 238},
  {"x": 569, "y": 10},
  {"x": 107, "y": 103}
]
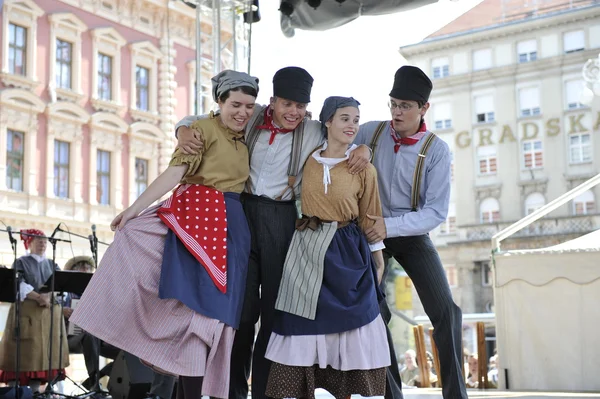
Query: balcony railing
[{"x": 542, "y": 227}]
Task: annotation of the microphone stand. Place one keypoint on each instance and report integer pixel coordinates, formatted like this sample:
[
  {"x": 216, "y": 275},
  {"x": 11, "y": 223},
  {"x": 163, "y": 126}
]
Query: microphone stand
[
  {"x": 48, "y": 392},
  {"x": 17, "y": 288},
  {"x": 96, "y": 391},
  {"x": 96, "y": 388}
]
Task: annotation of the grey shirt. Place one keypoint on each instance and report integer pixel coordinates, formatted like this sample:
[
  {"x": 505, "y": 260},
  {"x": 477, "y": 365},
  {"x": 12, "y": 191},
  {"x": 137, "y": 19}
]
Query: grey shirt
[{"x": 35, "y": 273}]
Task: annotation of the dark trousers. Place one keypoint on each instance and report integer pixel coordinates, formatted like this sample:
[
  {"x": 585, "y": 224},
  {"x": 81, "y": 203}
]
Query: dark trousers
[
  {"x": 272, "y": 225},
  {"x": 91, "y": 348},
  {"x": 393, "y": 383},
  {"x": 419, "y": 258},
  {"x": 189, "y": 387}
]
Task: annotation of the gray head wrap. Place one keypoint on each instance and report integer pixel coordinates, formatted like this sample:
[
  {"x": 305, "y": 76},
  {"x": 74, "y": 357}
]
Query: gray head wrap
[
  {"x": 229, "y": 80},
  {"x": 331, "y": 104}
]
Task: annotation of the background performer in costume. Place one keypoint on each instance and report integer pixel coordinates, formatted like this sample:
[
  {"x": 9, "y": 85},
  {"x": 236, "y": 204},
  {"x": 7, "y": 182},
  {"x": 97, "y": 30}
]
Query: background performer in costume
[{"x": 36, "y": 269}]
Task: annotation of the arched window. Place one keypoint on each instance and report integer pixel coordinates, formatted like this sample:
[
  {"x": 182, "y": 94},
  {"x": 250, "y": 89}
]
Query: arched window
[
  {"x": 584, "y": 204},
  {"x": 533, "y": 202},
  {"x": 489, "y": 210}
]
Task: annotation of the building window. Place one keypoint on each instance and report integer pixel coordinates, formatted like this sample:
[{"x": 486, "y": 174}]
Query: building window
[
  {"x": 103, "y": 177},
  {"x": 440, "y": 68},
  {"x": 144, "y": 81},
  {"x": 104, "y": 76},
  {"x": 451, "y": 275},
  {"x": 482, "y": 59},
  {"x": 14, "y": 160},
  {"x": 486, "y": 272},
  {"x": 574, "y": 90},
  {"x": 484, "y": 109},
  {"x": 489, "y": 210},
  {"x": 449, "y": 225},
  {"x": 64, "y": 59},
  {"x": 61, "y": 169},
  {"x": 580, "y": 148},
  {"x": 533, "y": 202},
  {"x": 141, "y": 175},
  {"x": 533, "y": 154},
  {"x": 17, "y": 49},
  {"x": 142, "y": 86},
  {"x": 442, "y": 114},
  {"x": 529, "y": 101},
  {"x": 486, "y": 157},
  {"x": 574, "y": 41},
  {"x": 584, "y": 204},
  {"x": 527, "y": 51}
]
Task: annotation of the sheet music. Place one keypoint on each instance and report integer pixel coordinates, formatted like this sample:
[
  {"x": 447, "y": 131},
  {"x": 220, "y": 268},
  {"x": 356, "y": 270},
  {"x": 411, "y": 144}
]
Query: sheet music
[{"x": 74, "y": 329}]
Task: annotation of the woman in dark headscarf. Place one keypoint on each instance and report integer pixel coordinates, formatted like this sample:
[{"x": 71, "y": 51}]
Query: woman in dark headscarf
[
  {"x": 169, "y": 289},
  {"x": 328, "y": 332}
]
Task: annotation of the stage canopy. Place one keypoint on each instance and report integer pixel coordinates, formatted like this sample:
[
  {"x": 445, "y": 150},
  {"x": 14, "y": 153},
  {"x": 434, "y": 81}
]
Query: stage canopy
[
  {"x": 547, "y": 314},
  {"x": 333, "y": 13}
]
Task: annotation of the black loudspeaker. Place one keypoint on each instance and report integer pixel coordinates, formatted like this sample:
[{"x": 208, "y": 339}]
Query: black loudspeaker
[
  {"x": 253, "y": 16},
  {"x": 129, "y": 378}
]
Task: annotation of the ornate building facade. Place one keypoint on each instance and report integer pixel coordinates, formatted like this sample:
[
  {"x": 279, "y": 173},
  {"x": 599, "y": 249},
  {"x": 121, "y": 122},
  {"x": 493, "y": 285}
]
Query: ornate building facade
[
  {"x": 90, "y": 91},
  {"x": 507, "y": 79}
]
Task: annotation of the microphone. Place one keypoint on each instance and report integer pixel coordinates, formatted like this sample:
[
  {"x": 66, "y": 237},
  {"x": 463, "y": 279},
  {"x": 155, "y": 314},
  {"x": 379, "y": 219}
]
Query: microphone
[
  {"x": 10, "y": 236},
  {"x": 94, "y": 233},
  {"x": 56, "y": 230},
  {"x": 92, "y": 246}
]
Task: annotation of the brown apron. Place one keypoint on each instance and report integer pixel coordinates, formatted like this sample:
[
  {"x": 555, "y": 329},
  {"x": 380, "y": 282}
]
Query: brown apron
[{"x": 35, "y": 339}]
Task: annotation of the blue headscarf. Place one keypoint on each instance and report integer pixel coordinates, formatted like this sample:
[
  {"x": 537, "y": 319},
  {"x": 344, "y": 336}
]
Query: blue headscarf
[{"x": 331, "y": 104}]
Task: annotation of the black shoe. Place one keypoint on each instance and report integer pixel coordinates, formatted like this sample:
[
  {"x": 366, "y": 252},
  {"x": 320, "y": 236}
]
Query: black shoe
[{"x": 88, "y": 383}]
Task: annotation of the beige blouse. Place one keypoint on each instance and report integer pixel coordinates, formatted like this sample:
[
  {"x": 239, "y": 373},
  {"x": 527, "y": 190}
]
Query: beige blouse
[
  {"x": 222, "y": 164},
  {"x": 348, "y": 196}
]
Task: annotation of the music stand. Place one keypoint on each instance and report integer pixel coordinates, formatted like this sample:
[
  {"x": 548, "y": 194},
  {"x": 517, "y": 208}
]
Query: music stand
[
  {"x": 70, "y": 282},
  {"x": 7, "y": 285}
]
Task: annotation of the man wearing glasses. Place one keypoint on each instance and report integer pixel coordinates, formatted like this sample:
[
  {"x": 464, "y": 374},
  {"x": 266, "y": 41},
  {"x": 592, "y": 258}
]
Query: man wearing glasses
[{"x": 413, "y": 168}]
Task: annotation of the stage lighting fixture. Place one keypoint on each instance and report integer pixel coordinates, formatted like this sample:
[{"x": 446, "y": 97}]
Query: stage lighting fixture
[
  {"x": 340, "y": 1},
  {"x": 314, "y": 3},
  {"x": 286, "y": 8}
]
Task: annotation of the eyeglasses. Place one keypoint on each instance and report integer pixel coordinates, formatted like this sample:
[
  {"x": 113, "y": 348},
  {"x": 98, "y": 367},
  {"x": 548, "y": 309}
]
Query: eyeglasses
[{"x": 401, "y": 106}]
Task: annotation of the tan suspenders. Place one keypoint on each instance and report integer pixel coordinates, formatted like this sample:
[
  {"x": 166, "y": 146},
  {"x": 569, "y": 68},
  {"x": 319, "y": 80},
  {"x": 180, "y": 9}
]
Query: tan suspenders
[
  {"x": 418, "y": 173},
  {"x": 416, "y": 183},
  {"x": 296, "y": 152},
  {"x": 375, "y": 139},
  {"x": 294, "y": 165}
]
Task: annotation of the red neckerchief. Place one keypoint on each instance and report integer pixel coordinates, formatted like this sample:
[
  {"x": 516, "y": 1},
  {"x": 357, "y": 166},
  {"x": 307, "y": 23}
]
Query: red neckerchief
[
  {"x": 268, "y": 125},
  {"x": 198, "y": 216},
  {"x": 405, "y": 140}
]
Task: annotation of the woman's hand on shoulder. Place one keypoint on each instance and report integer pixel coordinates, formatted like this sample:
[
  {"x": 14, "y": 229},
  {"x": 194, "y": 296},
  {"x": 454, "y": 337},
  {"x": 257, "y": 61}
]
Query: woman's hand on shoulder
[{"x": 123, "y": 217}]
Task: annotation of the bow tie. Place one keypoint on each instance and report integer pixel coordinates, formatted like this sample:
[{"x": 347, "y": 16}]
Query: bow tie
[{"x": 268, "y": 125}]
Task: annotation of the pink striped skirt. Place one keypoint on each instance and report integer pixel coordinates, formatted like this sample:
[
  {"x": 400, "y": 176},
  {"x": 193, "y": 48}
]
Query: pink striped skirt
[{"x": 121, "y": 306}]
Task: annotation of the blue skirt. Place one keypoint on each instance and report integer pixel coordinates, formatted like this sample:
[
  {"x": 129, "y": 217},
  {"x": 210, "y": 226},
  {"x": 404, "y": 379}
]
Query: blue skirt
[
  {"x": 349, "y": 297},
  {"x": 185, "y": 279}
]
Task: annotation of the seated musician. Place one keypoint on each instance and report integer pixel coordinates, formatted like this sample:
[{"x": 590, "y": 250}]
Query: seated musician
[{"x": 35, "y": 307}]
